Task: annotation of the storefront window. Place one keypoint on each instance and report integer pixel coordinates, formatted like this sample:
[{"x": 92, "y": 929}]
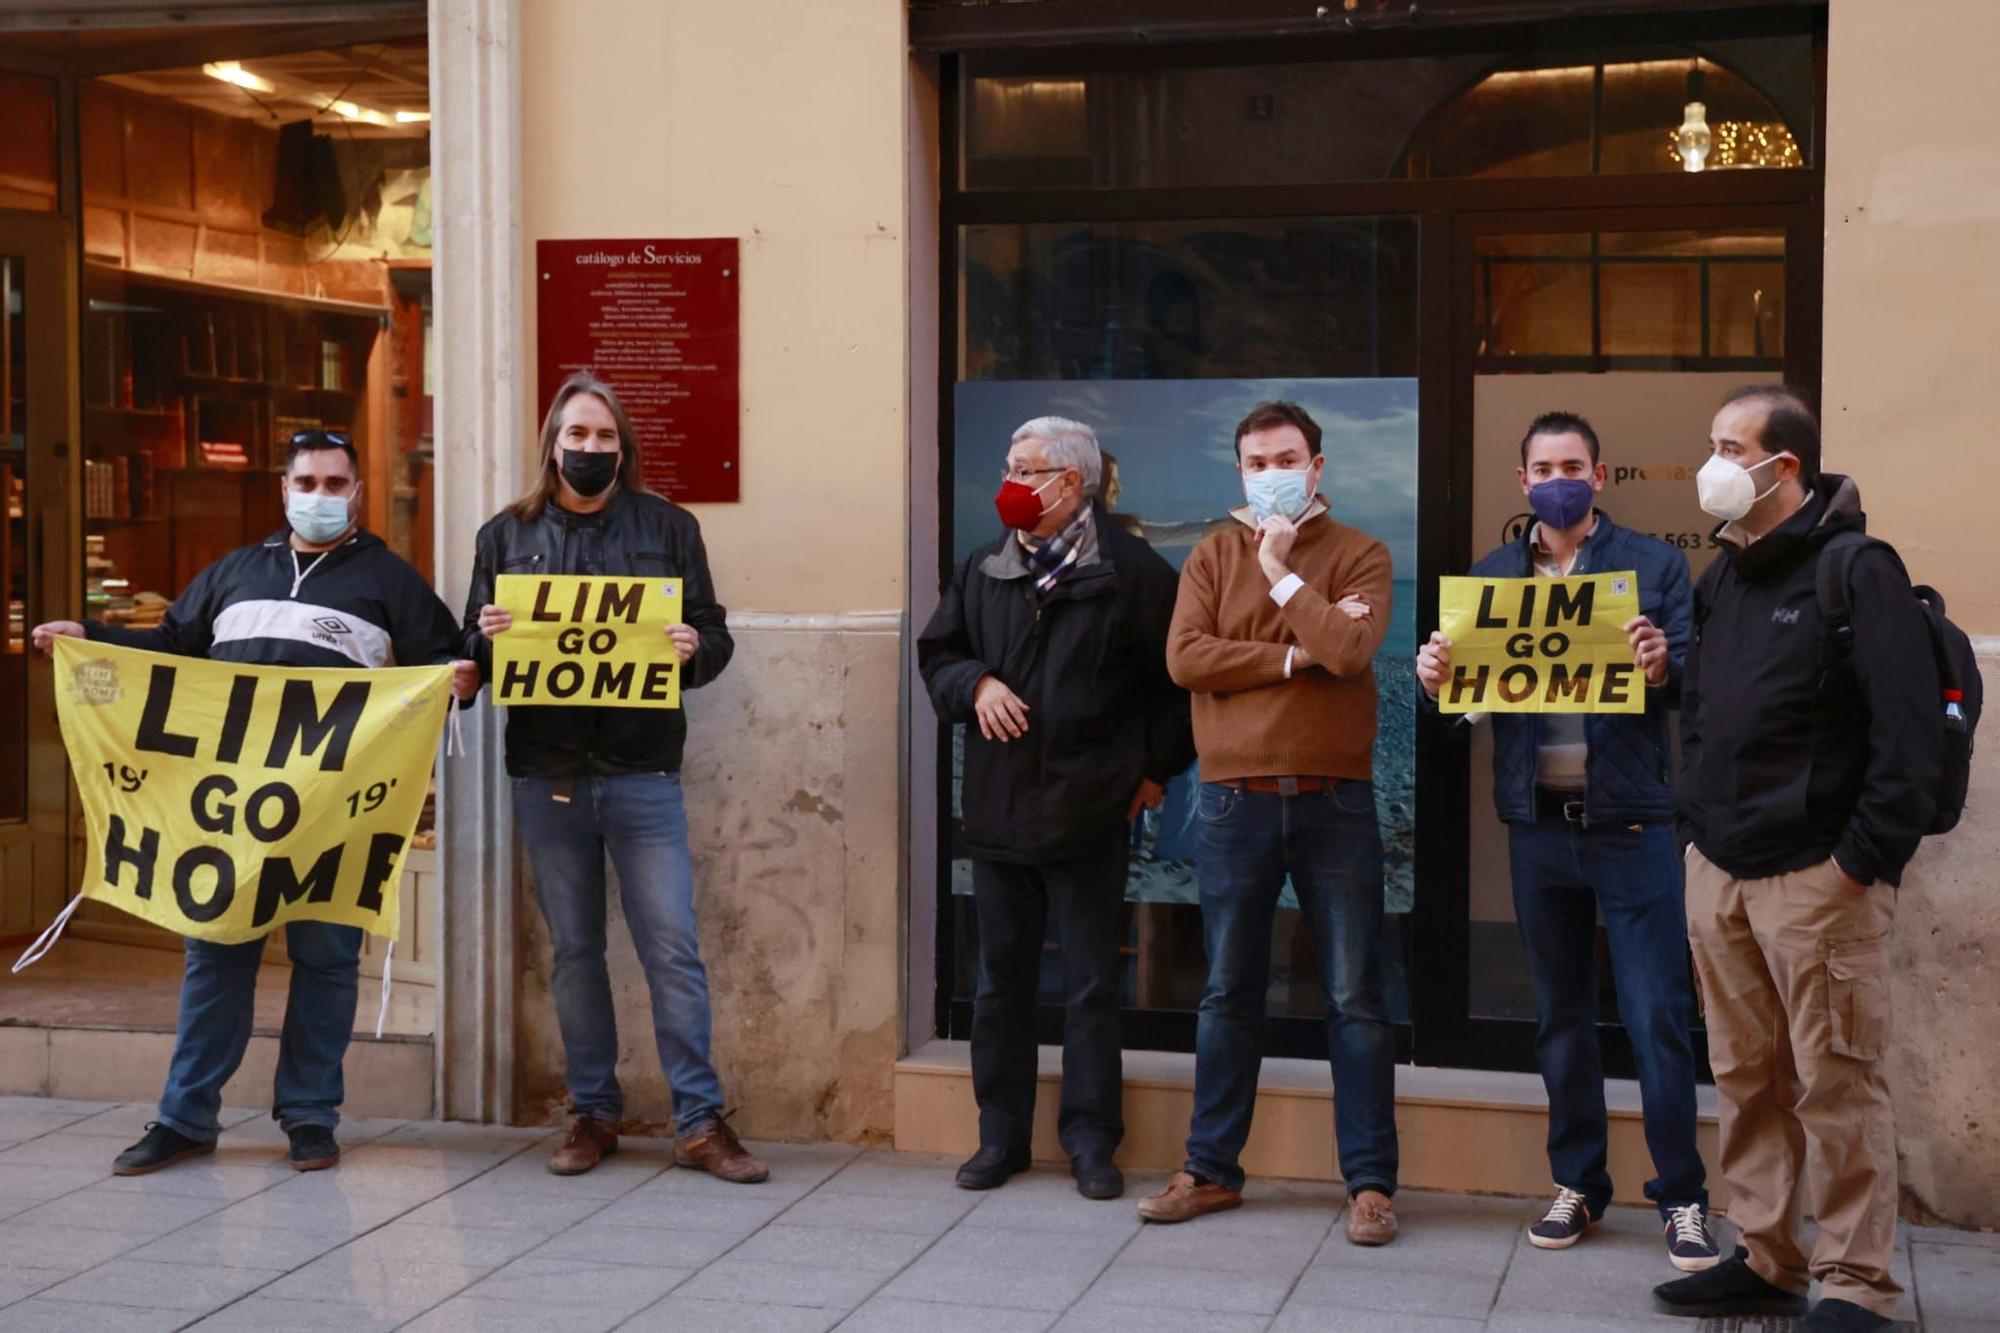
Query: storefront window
[
  {"x": 27, "y": 143},
  {"x": 1161, "y": 336},
  {"x": 13, "y": 539}
]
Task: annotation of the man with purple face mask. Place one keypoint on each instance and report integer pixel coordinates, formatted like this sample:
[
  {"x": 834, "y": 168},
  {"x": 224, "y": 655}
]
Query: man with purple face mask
[{"x": 1589, "y": 812}]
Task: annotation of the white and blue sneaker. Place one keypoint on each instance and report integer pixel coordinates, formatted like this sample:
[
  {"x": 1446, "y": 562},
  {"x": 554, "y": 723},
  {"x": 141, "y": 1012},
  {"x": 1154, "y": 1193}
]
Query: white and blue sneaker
[
  {"x": 1564, "y": 1224},
  {"x": 1690, "y": 1244}
]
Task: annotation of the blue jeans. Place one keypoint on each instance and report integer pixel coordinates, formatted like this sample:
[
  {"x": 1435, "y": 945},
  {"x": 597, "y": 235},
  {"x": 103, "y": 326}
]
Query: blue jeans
[
  {"x": 641, "y": 820},
  {"x": 1563, "y": 873},
  {"x": 1330, "y": 845},
  {"x": 218, "y": 999}
]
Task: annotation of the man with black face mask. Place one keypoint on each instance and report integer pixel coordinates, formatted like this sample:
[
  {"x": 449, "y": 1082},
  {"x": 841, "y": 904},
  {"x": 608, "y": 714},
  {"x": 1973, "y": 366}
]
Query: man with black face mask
[
  {"x": 1589, "y": 815},
  {"x": 591, "y": 782}
]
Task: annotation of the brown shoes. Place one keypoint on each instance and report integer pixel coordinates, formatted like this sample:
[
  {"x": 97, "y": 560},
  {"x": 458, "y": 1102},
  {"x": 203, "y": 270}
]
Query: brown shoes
[
  {"x": 1185, "y": 1198},
  {"x": 588, "y": 1142},
  {"x": 1371, "y": 1219},
  {"x": 714, "y": 1148}
]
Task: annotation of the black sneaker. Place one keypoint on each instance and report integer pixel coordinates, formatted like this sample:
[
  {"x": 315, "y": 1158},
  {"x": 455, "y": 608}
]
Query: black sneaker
[
  {"x": 1690, "y": 1244},
  {"x": 989, "y": 1168},
  {"x": 1837, "y": 1316},
  {"x": 1097, "y": 1176},
  {"x": 161, "y": 1148},
  {"x": 1564, "y": 1223},
  {"x": 313, "y": 1148},
  {"x": 1732, "y": 1287}
]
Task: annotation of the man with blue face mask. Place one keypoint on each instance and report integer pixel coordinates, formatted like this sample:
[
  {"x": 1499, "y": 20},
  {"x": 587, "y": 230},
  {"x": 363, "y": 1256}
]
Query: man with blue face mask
[
  {"x": 1274, "y": 635},
  {"x": 319, "y": 592},
  {"x": 1589, "y": 814}
]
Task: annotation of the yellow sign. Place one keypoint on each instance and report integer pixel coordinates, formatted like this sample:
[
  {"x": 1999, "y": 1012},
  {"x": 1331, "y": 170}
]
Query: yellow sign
[
  {"x": 223, "y": 801},
  {"x": 1541, "y": 645},
  {"x": 587, "y": 639}
]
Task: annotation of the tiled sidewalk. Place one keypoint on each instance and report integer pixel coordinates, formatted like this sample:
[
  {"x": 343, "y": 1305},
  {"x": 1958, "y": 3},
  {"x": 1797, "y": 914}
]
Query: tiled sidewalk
[{"x": 446, "y": 1227}]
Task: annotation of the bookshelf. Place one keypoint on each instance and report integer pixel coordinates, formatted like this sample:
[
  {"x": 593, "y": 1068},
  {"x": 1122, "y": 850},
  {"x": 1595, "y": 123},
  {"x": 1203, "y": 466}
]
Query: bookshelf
[{"x": 189, "y": 390}]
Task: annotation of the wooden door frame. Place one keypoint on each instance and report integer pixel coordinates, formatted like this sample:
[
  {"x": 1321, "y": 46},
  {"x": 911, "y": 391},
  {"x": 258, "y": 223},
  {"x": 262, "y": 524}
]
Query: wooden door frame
[{"x": 53, "y": 509}]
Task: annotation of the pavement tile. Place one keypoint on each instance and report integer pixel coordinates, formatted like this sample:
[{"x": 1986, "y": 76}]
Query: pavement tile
[
  {"x": 831, "y": 1247},
  {"x": 20, "y": 1283},
  {"x": 647, "y": 1247},
  {"x": 740, "y": 1213},
  {"x": 1989, "y": 1240},
  {"x": 782, "y": 1284},
  {"x": 1192, "y": 1247},
  {"x": 1178, "y": 1288},
  {"x": 1956, "y": 1281},
  {"x": 383, "y": 1286},
  {"x": 1320, "y": 1319},
  {"x": 1095, "y": 1314},
  {"x": 1398, "y": 1291},
  {"x": 467, "y": 1247},
  {"x": 59, "y": 1149},
  {"x": 1006, "y": 1269},
  {"x": 1611, "y": 1273},
  {"x": 114, "y": 1210},
  {"x": 1045, "y": 1202},
  {"x": 542, "y": 1216},
  {"x": 896, "y": 1315},
  {"x": 54, "y": 1106},
  {"x": 10, "y": 1206},
  {"x": 684, "y": 1314},
  {"x": 26, "y": 1125},
  {"x": 149, "y": 1285},
  {"x": 71, "y": 1249},
  {"x": 528, "y": 1175},
  {"x": 478, "y": 1314},
  {"x": 43, "y": 1183},
  {"x": 265, "y": 1314},
  {"x": 203, "y": 1179},
  {"x": 319, "y": 1211},
  {"x": 897, "y": 1177},
  {"x": 621, "y": 1288},
  {"x": 126, "y": 1123},
  {"x": 916, "y": 1217},
  {"x": 39, "y": 1315},
  {"x": 1638, "y": 1318},
  {"x": 227, "y": 1245}
]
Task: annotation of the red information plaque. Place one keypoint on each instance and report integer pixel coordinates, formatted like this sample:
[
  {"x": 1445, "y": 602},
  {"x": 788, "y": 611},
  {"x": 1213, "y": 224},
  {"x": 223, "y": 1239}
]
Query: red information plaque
[{"x": 657, "y": 321}]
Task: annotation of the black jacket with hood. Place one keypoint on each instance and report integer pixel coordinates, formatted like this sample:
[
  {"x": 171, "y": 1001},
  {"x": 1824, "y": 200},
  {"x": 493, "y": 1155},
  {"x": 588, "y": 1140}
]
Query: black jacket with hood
[
  {"x": 1790, "y": 752},
  {"x": 1090, "y": 661},
  {"x": 357, "y": 605},
  {"x": 634, "y": 534}
]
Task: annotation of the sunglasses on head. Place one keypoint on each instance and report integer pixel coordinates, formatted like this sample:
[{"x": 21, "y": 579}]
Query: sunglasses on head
[{"x": 339, "y": 439}]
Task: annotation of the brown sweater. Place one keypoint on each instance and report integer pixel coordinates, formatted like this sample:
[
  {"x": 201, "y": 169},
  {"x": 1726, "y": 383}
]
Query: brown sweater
[{"x": 1227, "y": 648}]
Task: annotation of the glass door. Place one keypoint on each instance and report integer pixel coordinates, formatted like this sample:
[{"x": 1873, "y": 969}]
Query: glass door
[
  {"x": 1639, "y": 321},
  {"x": 37, "y": 421}
]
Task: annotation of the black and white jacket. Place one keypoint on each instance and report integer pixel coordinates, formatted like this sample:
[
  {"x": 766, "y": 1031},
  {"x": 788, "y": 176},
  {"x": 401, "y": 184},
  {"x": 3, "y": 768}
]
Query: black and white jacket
[{"x": 357, "y": 605}]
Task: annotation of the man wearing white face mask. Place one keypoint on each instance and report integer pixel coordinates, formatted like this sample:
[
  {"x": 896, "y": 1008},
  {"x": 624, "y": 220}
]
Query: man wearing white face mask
[
  {"x": 1807, "y": 778},
  {"x": 1274, "y": 635},
  {"x": 319, "y": 593}
]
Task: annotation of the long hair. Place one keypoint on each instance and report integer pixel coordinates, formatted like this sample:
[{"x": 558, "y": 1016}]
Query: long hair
[{"x": 529, "y": 507}]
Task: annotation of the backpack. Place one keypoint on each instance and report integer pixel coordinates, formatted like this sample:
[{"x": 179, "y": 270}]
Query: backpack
[{"x": 1957, "y": 666}]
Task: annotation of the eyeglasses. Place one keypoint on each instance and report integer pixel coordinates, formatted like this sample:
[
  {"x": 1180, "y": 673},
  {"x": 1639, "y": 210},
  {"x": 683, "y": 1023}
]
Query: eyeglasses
[
  {"x": 1021, "y": 474},
  {"x": 339, "y": 439}
]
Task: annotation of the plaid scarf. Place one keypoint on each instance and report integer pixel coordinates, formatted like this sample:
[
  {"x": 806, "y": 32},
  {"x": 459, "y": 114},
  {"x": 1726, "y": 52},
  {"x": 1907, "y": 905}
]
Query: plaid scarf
[{"x": 1076, "y": 544}]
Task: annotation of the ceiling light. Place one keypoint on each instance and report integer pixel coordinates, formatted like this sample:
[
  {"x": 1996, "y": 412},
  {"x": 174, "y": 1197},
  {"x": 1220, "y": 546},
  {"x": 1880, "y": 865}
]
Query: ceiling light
[
  {"x": 349, "y": 111},
  {"x": 413, "y": 117},
  {"x": 230, "y": 71}
]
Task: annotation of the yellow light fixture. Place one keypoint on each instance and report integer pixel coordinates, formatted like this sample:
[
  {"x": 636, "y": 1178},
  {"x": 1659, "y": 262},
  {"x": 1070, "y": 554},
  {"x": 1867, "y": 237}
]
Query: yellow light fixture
[
  {"x": 413, "y": 117},
  {"x": 232, "y": 71},
  {"x": 350, "y": 111},
  {"x": 1693, "y": 138}
]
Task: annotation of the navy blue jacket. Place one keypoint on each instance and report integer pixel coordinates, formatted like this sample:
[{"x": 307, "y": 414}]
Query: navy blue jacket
[{"x": 1629, "y": 777}]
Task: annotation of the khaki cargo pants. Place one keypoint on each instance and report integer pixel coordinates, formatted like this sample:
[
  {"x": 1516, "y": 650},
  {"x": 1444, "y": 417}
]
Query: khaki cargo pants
[{"x": 1793, "y": 977}]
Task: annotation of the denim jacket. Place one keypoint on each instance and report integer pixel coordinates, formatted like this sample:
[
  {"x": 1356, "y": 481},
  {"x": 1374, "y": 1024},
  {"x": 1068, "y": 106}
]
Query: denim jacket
[{"x": 1629, "y": 775}]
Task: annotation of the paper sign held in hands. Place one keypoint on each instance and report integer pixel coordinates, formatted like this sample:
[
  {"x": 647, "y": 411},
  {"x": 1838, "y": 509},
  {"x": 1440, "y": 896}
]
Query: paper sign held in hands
[
  {"x": 1541, "y": 645},
  {"x": 587, "y": 639}
]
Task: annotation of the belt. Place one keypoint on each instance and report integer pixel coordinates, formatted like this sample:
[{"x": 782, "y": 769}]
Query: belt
[
  {"x": 1284, "y": 786},
  {"x": 1559, "y": 805}
]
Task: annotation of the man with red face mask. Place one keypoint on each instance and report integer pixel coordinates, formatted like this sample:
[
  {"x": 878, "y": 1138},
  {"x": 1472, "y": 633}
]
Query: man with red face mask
[{"x": 1050, "y": 644}]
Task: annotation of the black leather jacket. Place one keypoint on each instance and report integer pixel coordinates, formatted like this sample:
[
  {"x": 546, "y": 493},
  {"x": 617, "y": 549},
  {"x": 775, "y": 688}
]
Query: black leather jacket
[{"x": 633, "y": 534}]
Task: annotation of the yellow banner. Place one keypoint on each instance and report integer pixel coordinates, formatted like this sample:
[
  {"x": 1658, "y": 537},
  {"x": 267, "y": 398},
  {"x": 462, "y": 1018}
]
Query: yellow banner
[
  {"x": 222, "y": 801},
  {"x": 1541, "y": 645},
  {"x": 587, "y": 639}
]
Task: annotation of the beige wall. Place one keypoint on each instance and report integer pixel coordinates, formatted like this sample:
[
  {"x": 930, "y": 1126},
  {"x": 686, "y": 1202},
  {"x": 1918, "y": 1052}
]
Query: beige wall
[
  {"x": 1912, "y": 286},
  {"x": 1912, "y": 398},
  {"x": 781, "y": 124}
]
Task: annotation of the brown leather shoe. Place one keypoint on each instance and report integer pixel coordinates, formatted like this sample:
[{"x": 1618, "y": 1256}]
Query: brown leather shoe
[
  {"x": 1371, "y": 1219},
  {"x": 1185, "y": 1198},
  {"x": 714, "y": 1148},
  {"x": 588, "y": 1142}
]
